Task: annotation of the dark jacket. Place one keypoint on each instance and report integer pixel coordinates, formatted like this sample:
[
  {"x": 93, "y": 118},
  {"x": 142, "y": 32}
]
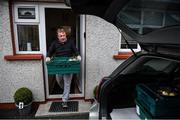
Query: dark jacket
[{"x": 66, "y": 49}]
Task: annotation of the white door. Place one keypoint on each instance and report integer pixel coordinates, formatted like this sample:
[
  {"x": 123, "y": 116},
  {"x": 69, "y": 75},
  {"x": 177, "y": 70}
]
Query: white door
[{"x": 52, "y": 16}]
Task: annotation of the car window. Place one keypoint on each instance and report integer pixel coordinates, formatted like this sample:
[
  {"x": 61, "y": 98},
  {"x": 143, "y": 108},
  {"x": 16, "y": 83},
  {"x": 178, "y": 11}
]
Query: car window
[
  {"x": 160, "y": 65},
  {"x": 148, "y": 65},
  {"x": 144, "y": 16},
  {"x": 155, "y": 66}
]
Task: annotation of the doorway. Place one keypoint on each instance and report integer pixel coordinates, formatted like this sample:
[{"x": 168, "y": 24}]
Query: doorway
[{"x": 55, "y": 17}]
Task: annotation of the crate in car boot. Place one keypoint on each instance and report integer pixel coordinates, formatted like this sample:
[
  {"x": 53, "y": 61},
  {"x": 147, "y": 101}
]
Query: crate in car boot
[
  {"x": 63, "y": 65},
  {"x": 141, "y": 112},
  {"x": 156, "y": 104}
]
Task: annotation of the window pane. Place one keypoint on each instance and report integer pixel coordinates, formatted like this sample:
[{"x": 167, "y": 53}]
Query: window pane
[
  {"x": 152, "y": 14},
  {"x": 172, "y": 18},
  {"x": 153, "y": 18},
  {"x": 132, "y": 43},
  {"x": 26, "y": 13},
  {"x": 131, "y": 16},
  {"x": 28, "y": 37},
  {"x": 156, "y": 66}
]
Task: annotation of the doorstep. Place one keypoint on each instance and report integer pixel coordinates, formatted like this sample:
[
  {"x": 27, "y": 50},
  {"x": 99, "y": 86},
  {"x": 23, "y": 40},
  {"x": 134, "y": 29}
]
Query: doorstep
[
  {"x": 82, "y": 113},
  {"x": 124, "y": 113}
]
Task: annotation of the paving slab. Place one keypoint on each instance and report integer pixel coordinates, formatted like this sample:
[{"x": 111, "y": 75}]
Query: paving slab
[
  {"x": 83, "y": 111},
  {"x": 125, "y": 113}
]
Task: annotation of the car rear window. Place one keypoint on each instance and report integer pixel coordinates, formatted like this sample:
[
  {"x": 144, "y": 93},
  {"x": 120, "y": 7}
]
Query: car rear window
[{"x": 145, "y": 16}]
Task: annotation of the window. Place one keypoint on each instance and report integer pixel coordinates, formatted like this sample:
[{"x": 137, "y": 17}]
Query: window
[
  {"x": 28, "y": 37},
  {"x": 133, "y": 18},
  {"x": 123, "y": 47},
  {"x": 145, "y": 16},
  {"x": 26, "y": 24},
  {"x": 155, "y": 66},
  {"x": 26, "y": 13},
  {"x": 149, "y": 15}
]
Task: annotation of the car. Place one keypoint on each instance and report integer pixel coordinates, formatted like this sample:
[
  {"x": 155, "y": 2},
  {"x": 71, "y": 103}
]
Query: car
[{"x": 155, "y": 26}]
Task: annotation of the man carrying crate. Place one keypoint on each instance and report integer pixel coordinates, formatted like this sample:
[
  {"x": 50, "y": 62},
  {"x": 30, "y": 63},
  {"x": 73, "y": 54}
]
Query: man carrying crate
[{"x": 63, "y": 47}]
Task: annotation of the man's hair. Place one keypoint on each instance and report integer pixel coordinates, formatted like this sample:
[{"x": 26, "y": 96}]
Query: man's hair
[
  {"x": 66, "y": 29},
  {"x": 60, "y": 29}
]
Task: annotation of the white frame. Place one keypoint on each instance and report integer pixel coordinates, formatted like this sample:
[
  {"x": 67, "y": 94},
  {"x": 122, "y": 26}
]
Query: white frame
[
  {"x": 43, "y": 43},
  {"x": 17, "y": 41},
  {"x": 26, "y": 22},
  {"x": 140, "y": 26},
  {"x": 127, "y": 50},
  {"x": 16, "y": 6}
]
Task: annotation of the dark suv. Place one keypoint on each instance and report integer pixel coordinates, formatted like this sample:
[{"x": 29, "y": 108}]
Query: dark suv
[{"x": 155, "y": 25}]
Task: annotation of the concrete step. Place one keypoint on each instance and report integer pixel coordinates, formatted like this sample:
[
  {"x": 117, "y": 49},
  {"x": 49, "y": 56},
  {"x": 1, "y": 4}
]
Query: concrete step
[
  {"x": 82, "y": 113},
  {"x": 124, "y": 114}
]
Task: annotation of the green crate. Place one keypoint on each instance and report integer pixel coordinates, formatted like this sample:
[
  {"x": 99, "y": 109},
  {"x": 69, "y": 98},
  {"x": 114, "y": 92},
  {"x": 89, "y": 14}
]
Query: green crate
[
  {"x": 158, "y": 106},
  {"x": 62, "y": 65},
  {"x": 141, "y": 112}
]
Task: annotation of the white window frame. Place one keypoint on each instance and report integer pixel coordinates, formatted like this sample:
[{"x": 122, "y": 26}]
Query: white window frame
[
  {"x": 140, "y": 27},
  {"x": 16, "y": 6},
  {"x": 26, "y": 22},
  {"x": 127, "y": 50}
]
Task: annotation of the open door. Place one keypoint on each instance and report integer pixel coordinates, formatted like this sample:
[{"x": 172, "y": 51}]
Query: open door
[{"x": 55, "y": 17}]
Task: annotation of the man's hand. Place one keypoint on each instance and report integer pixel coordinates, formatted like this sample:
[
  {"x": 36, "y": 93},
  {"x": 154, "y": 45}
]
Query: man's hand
[
  {"x": 79, "y": 57},
  {"x": 48, "y": 59}
]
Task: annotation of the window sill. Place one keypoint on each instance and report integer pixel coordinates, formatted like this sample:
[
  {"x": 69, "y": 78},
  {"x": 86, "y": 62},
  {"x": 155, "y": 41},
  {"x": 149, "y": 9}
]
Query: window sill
[
  {"x": 23, "y": 57},
  {"x": 122, "y": 55}
]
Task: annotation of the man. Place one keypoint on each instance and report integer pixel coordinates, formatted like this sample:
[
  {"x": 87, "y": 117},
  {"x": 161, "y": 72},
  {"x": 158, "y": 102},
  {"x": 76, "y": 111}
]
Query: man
[{"x": 63, "y": 47}]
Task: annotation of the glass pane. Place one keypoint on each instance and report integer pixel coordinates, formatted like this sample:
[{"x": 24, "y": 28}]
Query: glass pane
[
  {"x": 28, "y": 37},
  {"x": 172, "y": 18},
  {"x": 131, "y": 16},
  {"x": 156, "y": 66},
  {"x": 150, "y": 14},
  {"x": 153, "y": 18},
  {"x": 26, "y": 13},
  {"x": 132, "y": 43}
]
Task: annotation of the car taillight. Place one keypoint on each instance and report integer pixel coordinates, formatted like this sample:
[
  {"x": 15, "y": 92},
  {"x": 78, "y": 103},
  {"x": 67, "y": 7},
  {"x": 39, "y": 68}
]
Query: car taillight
[{"x": 99, "y": 88}]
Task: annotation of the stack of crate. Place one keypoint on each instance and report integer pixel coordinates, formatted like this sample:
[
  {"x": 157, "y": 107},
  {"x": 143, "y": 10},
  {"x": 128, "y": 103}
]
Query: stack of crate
[{"x": 151, "y": 105}]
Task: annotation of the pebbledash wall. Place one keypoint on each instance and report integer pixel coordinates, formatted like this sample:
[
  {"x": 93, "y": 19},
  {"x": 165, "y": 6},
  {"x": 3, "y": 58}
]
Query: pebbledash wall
[
  {"x": 102, "y": 42},
  {"x": 16, "y": 74}
]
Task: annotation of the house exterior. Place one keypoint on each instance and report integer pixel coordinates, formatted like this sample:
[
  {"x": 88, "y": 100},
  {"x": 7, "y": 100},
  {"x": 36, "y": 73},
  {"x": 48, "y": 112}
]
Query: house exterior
[{"x": 24, "y": 66}]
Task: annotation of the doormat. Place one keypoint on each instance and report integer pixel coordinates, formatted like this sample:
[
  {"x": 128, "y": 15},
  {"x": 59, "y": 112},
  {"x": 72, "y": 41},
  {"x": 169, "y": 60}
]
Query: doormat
[{"x": 57, "y": 107}]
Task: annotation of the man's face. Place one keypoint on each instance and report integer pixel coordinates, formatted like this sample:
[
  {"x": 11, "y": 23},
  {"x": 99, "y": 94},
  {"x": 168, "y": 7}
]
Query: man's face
[{"x": 62, "y": 36}]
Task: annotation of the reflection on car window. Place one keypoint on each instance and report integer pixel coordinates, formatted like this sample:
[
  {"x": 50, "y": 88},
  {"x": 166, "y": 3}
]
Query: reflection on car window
[
  {"x": 157, "y": 65},
  {"x": 149, "y": 15}
]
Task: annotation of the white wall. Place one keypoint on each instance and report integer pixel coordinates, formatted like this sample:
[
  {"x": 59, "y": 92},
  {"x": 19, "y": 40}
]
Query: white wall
[
  {"x": 102, "y": 42},
  {"x": 16, "y": 74}
]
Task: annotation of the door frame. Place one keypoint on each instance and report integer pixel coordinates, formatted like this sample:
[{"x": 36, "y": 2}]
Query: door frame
[{"x": 42, "y": 7}]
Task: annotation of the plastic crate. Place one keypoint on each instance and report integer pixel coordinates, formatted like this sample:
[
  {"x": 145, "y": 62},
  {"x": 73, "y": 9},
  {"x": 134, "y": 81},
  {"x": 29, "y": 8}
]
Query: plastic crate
[
  {"x": 141, "y": 112},
  {"x": 157, "y": 105},
  {"x": 62, "y": 65}
]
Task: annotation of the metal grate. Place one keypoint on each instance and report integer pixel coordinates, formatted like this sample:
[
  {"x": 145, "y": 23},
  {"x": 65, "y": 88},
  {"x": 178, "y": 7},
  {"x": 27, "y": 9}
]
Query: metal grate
[{"x": 57, "y": 107}]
